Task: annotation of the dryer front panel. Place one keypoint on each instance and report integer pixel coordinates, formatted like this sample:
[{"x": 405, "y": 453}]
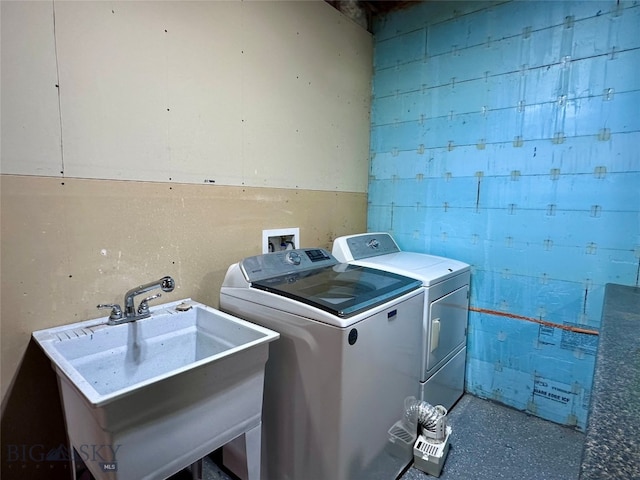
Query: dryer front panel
[{"x": 448, "y": 326}]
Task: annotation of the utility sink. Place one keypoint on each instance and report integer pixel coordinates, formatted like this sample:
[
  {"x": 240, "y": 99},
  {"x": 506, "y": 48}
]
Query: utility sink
[{"x": 145, "y": 399}]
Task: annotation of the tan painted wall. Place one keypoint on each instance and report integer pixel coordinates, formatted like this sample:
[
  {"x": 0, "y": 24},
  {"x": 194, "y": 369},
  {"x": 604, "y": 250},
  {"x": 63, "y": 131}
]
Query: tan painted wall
[
  {"x": 111, "y": 131},
  {"x": 68, "y": 245}
]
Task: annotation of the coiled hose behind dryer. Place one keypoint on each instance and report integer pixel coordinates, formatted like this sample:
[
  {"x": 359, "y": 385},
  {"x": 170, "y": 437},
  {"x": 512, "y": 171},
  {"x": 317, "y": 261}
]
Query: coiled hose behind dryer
[{"x": 429, "y": 418}]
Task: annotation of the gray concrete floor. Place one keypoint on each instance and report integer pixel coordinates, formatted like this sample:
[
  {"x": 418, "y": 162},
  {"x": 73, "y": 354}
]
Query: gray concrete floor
[{"x": 488, "y": 442}]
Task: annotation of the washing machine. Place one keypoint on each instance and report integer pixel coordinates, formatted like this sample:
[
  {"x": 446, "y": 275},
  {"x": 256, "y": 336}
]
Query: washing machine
[
  {"x": 347, "y": 359},
  {"x": 445, "y": 283}
]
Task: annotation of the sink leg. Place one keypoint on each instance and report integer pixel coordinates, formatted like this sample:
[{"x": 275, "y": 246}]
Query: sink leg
[
  {"x": 74, "y": 467},
  {"x": 253, "y": 442},
  {"x": 197, "y": 470}
]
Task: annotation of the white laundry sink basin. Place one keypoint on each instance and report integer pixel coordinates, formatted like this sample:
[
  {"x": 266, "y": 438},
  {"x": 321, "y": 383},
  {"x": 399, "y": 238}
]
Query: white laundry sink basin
[
  {"x": 106, "y": 362},
  {"x": 161, "y": 392}
]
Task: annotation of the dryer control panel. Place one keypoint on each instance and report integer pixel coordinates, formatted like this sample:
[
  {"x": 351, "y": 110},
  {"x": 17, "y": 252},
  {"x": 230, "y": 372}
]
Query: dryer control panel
[
  {"x": 357, "y": 247},
  {"x": 274, "y": 264}
]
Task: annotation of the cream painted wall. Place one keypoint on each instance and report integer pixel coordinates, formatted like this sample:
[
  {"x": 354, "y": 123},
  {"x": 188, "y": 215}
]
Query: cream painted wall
[
  {"x": 257, "y": 93},
  {"x": 142, "y": 139}
]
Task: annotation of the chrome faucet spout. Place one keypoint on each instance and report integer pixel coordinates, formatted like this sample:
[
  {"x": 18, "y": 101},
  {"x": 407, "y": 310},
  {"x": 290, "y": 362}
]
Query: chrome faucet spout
[
  {"x": 130, "y": 314},
  {"x": 166, "y": 284}
]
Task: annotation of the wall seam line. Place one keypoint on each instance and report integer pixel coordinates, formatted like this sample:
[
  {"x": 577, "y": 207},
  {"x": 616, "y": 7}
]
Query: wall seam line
[{"x": 55, "y": 47}]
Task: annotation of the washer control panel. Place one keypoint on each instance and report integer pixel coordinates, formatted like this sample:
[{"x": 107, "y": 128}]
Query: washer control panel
[{"x": 274, "y": 264}]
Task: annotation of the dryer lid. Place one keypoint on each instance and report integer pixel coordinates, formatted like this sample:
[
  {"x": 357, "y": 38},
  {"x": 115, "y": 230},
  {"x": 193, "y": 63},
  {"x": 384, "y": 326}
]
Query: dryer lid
[
  {"x": 428, "y": 268},
  {"x": 342, "y": 290}
]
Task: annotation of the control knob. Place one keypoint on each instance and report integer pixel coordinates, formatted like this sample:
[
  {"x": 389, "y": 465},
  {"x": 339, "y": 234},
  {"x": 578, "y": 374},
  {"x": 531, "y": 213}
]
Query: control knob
[
  {"x": 293, "y": 258},
  {"x": 373, "y": 243}
]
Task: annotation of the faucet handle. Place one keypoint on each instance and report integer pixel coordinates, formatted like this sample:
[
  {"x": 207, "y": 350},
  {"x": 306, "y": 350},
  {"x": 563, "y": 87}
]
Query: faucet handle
[
  {"x": 143, "y": 309},
  {"x": 116, "y": 311}
]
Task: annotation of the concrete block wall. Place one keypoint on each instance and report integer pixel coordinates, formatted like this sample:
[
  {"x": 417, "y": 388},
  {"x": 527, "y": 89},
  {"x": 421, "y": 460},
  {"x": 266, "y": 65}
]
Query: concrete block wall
[{"x": 505, "y": 134}]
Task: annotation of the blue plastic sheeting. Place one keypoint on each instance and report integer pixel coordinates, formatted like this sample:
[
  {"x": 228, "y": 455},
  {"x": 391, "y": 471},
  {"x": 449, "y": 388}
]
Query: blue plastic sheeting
[
  {"x": 522, "y": 245},
  {"x": 405, "y": 48},
  {"x": 544, "y": 297},
  {"x": 506, "y": 135},
  {"x": 576, "y": 155},
  {"x": 573, "y": 118},
  {"x": 543, "y": 370},
  {"x": 567, "y": 192},
  {"x": 411, "y": 90}
]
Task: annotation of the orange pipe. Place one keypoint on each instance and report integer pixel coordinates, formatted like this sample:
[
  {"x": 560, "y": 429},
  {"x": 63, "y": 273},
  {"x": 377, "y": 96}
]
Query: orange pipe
[{"x": 535, "y": 320}]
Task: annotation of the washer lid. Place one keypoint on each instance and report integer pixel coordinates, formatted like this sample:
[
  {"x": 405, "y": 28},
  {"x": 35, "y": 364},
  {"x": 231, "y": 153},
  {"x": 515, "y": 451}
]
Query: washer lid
[{"x": 342, "y": 290}]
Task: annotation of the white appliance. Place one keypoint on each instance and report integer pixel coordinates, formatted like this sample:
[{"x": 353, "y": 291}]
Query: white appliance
[
  {"x": 347, "y": 359},
  {"x": 445, "y": 283}
]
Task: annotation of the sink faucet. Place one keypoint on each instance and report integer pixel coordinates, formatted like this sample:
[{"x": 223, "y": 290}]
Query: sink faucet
[{"x": 130, "y": 314}]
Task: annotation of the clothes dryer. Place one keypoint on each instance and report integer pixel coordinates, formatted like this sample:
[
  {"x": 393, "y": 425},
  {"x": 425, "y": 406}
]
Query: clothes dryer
[
  {"x": 445, "y": 283},
  {"x": 347, "y": 359}
]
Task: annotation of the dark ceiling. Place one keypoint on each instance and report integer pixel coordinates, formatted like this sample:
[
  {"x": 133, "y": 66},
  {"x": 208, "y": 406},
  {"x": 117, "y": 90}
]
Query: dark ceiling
[
  {"x": 364, "y": 11},
  {"x": 382, "y": 7}
]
